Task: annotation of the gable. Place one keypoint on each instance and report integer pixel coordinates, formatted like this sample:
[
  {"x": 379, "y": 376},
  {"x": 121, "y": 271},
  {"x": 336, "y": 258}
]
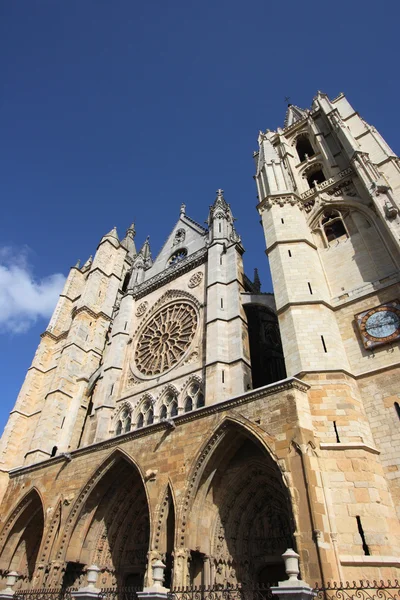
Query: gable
[{"x": 187, "y": 236}]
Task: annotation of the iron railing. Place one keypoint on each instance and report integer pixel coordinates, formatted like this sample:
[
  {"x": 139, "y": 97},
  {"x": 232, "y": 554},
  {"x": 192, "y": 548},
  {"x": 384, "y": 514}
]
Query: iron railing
[
  {"x": 361, "y": 590},
  {"x": 216, "y": 592},
  {"x": 45, "y": 594},
  {"x": 120, "y": 593}
]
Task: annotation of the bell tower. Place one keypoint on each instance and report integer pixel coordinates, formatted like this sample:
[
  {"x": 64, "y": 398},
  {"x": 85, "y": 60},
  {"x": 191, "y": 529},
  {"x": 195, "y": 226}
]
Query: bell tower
[{"x": 328, "y": 188}]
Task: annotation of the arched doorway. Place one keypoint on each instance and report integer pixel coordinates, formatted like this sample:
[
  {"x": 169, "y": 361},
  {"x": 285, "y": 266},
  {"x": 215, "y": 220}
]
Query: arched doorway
[
  {"x": 112, "y": 530},
  {"x": 20, "y": 545},
  {"x": 241, "y": 520}
]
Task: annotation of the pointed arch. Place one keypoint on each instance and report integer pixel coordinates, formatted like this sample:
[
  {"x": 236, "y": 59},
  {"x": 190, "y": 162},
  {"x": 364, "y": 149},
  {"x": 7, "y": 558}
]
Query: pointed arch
[
  {"x": 107, "y": 464},
  {"x": 164, "y": 530},
  {"x": 122, "y": 419},
  {"x": 192, "y": 395},
  {"x": 167, "y": 404},
  {"x": 52, "y": 533},
  {"x": 22, "y": 535},
  {"x": 109, "y": 524},
  {"x": 237, "y": 485}
]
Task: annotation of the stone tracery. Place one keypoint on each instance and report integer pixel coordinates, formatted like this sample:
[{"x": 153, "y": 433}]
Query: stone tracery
[{"x": 165, "y": 338}]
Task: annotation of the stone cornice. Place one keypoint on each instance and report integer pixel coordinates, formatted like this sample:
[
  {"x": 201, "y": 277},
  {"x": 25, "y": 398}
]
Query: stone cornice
[
  {"x": 33, "y": 368},
  {"x": 56, "y": 338},
  {"x": 58, "y": 391},
  {"x": 372, "y": 561},
  {"x": 341, "y": 446},
  {"x": 325, "y": 185},
  {"x": 71, "y": 299},
  {"x": 103, "y": 273},
  {"x": 24, "y": 414},
  {"x": 293, "y": 241},
  {"x": 267, "y": 390},
  {"x": 91, "y": 312},
  {"x": 169, "y": 274},
  {"x": 279, "y": 199},
  {"x": 83, "y": 349}
]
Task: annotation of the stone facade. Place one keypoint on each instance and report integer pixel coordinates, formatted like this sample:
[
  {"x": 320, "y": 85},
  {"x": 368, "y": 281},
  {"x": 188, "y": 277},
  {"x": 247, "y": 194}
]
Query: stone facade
[{"x": 147, "y": 427}]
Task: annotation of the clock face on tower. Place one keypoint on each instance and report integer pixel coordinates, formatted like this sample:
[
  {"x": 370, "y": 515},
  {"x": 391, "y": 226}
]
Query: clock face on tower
[{"x": 380, "y": 325}]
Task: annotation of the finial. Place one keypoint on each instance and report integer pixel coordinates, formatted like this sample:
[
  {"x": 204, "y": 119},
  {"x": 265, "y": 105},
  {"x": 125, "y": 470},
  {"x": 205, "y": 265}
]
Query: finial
[
  {"x": 183, "y": 209},
  {"x": 78, "y": 263},
  {"x": 220, "y": 193},
  {"x": 88, "y": 262},
  {"x": 131, "y": 231},
  {"x": 256, "y": 281}
]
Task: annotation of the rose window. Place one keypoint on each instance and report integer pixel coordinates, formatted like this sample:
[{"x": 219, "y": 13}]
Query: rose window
[
  {"x": 165, "y": 338},
  {"x": 177, "y": 256}
]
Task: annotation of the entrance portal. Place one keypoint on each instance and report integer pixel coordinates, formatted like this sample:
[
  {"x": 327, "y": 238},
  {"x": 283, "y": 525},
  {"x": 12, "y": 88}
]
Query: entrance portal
[{"x": 241, "y": 518}]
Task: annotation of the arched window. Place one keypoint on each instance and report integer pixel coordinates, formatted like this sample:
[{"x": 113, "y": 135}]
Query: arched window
[
  {"x": 150, "y": 417},
  {"x": 128, "y": 423},
  {"x": 124, "y": 422},
  {"x": 333, "y": 225},
  {"x": 315, "y": 176},
  {"x": 140, "y": 421},
  {"x": 169, "y": 406},
  {"x": 195, "y": 397},
  {"x": 126, "y": 282},
  {"x": 53, "y": 451},
  {"x": 163, "y": 413},
  {"x": 397, "y": 407},
  {"x": 304, "y": 148},
  {"x": 177, "y": 256},
  {"x": 200, "y": 400}
]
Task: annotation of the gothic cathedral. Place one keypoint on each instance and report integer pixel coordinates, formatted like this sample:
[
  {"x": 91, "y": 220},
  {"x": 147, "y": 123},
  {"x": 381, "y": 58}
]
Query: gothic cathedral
[{"x": 173, "y": 411}]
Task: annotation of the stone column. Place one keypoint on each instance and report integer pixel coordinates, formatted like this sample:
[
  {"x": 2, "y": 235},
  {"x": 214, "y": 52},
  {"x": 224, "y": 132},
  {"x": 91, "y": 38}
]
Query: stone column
[
  {"x": 8, "y": 592},
  {"x": 181, "y": 567},
  {"x": 293, "y": 588},
  {"x": 207, "y": 571},
  {"x": 157, "y": 591},
  {"x": 90, "y": 592}
]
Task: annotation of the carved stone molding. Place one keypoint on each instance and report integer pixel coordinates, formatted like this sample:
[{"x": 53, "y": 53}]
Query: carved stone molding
[
  {"x": 195, "y": 279},
  {"x": 141, "y": 309}
]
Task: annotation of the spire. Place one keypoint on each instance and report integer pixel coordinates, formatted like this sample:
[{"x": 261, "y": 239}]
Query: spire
[
  {"x": 143, "y": 258},
  {"x": 88, "y": 263},
  {"x": 220, "y": 204},
  {"x": 220, "y": 220},
  {"x": 128, "y": 241},
  {"x": 145, "y": 249},
  {"x": 257, "y": 281},
  {"x": 111, "y": 236},
  {"x": 78, "y": 264},
  {"x": 294, "y": 113}
]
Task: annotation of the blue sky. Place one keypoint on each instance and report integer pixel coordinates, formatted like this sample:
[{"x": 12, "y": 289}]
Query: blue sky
[{"x": 113, "y": 111}]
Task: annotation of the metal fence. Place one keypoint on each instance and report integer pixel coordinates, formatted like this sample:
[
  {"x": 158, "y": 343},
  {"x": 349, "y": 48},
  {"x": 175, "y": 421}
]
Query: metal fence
[
  {"x": 120, "y": 593},
  {"x": 361, "y": 590},
  {"x": 234, "y": 592},
  {"x": 45, "y": 594}
]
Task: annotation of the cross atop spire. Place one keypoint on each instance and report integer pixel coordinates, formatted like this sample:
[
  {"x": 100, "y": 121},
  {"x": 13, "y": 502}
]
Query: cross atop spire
[{"x": 220, "y": 193}]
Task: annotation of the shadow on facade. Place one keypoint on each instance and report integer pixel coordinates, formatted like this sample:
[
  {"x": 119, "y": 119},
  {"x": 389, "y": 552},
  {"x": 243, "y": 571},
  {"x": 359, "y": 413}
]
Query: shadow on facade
[
  {"x": 22, "y": 543},
  {"x": 266, "y": 354},
  {"x": 113, "y": 529},
  {"x": 246, "y": 522}
]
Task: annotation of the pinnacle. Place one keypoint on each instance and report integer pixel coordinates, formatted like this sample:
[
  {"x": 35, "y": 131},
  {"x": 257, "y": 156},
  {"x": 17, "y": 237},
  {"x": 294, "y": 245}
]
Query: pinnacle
[
  {"x": 131, "y": 231},
  {"x": 113, "y": 233}
]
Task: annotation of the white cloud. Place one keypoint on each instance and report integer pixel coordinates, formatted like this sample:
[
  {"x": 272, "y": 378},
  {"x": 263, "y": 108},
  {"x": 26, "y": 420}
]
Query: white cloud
[{"x": 24, "y": 299}]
